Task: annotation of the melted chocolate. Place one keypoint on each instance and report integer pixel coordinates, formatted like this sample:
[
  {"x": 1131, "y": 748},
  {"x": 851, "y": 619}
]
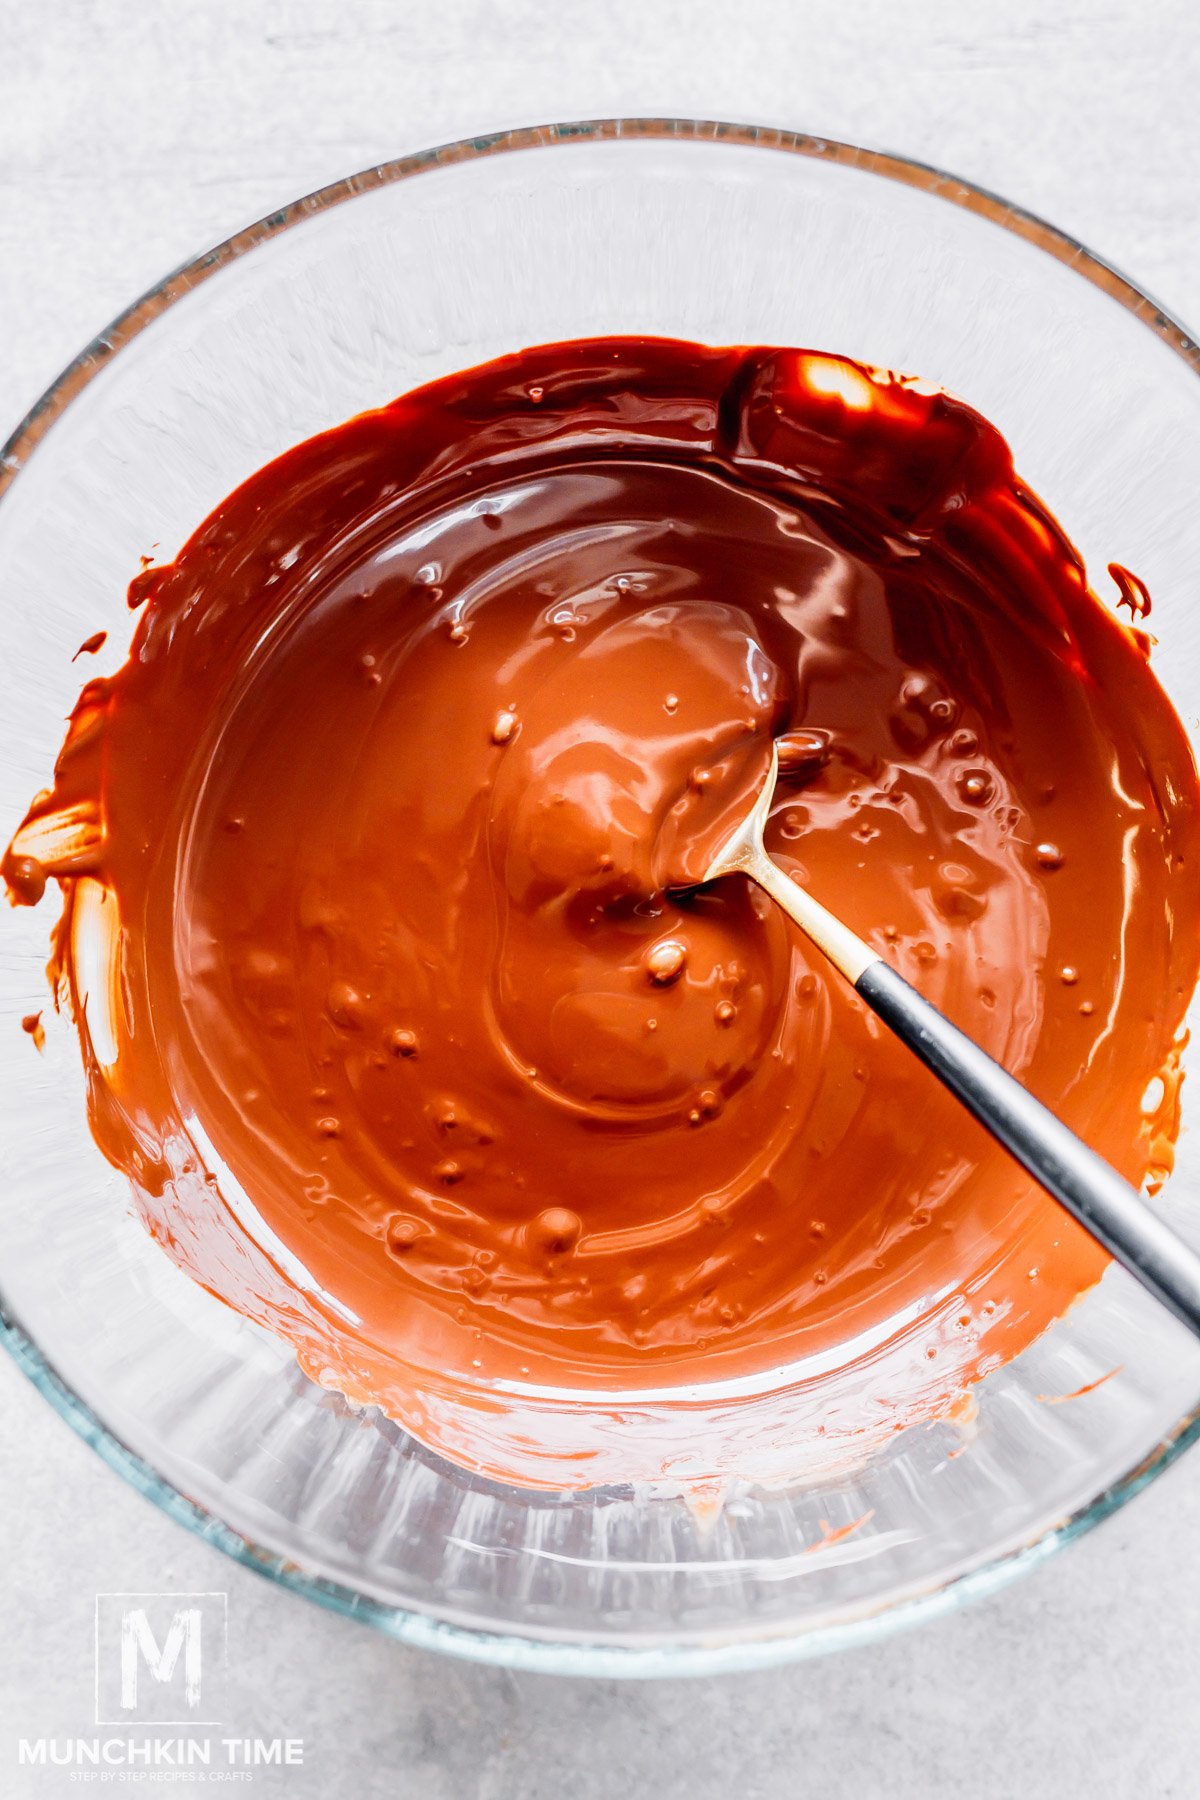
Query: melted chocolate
[{"x": 367, "y": 855}]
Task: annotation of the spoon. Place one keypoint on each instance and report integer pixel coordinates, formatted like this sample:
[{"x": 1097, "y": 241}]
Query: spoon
[{"x": 1080, "y": 1180}]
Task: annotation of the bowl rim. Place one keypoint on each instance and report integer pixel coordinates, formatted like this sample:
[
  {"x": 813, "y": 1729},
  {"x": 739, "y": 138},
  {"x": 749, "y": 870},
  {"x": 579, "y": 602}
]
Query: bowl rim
[{"x": 714, "y": 1654}]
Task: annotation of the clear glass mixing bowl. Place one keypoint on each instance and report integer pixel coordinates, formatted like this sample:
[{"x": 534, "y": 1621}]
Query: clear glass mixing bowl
[{"x": 405, "y": 272}]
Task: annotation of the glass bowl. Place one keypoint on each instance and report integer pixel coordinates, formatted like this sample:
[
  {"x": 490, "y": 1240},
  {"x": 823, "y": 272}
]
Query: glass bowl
[{"x": 727, "y": 234}]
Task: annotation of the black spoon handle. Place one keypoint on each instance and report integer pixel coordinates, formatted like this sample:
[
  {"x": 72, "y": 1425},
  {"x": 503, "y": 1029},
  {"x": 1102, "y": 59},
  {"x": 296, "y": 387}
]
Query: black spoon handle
[{"x": 1083, "y": 1182}]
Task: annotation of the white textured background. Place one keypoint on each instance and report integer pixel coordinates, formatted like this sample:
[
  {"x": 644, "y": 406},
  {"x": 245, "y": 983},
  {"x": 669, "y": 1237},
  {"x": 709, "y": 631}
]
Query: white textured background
[{"x": 135, "y": 132}]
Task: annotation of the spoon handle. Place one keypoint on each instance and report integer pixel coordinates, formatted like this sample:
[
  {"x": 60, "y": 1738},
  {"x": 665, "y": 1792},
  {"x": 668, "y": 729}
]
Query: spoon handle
[
  {"x": 1092, "y": 1191},
  {"x": 1080, "y": 1180}
]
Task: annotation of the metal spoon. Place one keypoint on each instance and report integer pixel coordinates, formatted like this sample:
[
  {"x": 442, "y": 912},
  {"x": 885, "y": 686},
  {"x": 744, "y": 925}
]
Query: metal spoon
[{"x": 1092, "y": 1192}]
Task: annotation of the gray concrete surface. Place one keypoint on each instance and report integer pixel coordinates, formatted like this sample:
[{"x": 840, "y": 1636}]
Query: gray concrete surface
[{"x": 132, "y": 135}]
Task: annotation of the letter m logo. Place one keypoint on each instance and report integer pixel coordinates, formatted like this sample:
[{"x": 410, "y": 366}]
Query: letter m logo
[
  {"x": 138, "y": 1646},
  {"x": 160, "y": 1659}
]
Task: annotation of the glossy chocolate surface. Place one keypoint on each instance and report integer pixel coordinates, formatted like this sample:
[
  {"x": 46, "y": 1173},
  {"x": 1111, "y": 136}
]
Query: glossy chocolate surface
[{"x": 368, "y": 849}]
